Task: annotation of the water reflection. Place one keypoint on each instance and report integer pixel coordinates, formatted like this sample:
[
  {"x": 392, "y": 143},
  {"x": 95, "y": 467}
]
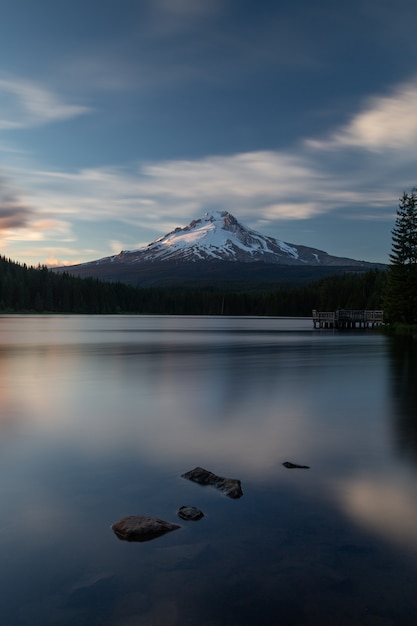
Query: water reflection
[
  {"x": 403, "y": 363},
  {"x": 384, "y": 504},
  {"x": 382, "y": 497},
  {"x": 240, "y": 404},
  {"x": 100, "y": 416}
]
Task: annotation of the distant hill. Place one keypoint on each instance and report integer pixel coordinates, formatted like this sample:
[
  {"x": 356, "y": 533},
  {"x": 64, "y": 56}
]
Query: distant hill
[{"x": 217, "y": 250}]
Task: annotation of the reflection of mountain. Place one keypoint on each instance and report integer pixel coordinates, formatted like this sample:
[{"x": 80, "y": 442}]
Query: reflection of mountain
[{"x": 403, "y": 360}]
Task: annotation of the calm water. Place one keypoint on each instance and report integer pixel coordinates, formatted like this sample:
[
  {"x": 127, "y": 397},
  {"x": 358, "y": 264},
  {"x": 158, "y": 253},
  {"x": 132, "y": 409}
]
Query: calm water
[{"x": 99, "y": 416}]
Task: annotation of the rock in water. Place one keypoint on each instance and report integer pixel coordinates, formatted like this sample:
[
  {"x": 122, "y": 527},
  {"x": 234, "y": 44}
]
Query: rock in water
[
  {"x": 294, "y": 465},
  {"x": 231, "y": 487},
  {"x": 142, "y": 528},
  {"x": 190, "y": 513}
]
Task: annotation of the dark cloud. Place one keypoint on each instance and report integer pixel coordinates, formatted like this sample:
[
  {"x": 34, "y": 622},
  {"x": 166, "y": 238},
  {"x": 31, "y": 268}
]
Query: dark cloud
[{"x": 13, "y": 212}]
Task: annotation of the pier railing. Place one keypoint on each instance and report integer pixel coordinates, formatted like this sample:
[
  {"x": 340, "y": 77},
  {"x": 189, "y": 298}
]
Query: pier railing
[{"x": 343, "y": 318}]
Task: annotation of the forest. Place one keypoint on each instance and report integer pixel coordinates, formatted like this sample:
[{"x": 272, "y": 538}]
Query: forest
[{"x": 40, "y": 290}]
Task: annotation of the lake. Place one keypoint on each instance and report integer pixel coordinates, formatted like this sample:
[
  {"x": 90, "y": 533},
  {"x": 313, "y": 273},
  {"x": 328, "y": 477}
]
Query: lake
[{"x": 100, "y": 416}]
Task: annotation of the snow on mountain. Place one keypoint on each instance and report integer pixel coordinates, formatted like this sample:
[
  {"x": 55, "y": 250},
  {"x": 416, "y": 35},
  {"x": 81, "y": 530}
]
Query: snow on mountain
[{"x": 218, "y": 236}]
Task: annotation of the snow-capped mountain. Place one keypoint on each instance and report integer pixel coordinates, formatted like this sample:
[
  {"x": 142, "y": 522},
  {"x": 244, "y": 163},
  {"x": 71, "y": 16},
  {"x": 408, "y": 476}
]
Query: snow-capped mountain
[
  {"x": 218, "y": 236},
  {"x": 216, "y": 251}
]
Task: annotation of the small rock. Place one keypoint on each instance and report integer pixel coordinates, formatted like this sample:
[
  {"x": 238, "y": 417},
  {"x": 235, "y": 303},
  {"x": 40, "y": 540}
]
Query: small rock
[
  {"x": 231, "y": 487},
  {"x": 141, "y": 528},
  {"x": 190, "y": 513},
  {"x": 295, "y": 466}
]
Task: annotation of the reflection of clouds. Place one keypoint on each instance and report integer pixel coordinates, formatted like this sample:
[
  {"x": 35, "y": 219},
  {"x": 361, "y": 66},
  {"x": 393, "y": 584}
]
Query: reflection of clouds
[
  {"x": 10, "y": 405},
  {"x": 169, "y": 409},
  {"x": 382, "y": 505},
  {"x": 252, "y": 446},
  {"x": 238, "y": 403},
  {"x": 171, "y": 401},
  {"x": 207, "y": 398}
]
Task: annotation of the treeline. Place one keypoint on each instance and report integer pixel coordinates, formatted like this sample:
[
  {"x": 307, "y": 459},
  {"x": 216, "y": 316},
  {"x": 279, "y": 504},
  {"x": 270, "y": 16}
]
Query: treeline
[
  {"x": 27, "y": 289},
  {"x": 348, "y": 291}
]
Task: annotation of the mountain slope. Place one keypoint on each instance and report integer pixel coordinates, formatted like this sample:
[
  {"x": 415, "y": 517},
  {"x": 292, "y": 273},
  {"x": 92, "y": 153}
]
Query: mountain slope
[
  {"x": 218, "y": 236},
  {"x": 214, "y": 247}
]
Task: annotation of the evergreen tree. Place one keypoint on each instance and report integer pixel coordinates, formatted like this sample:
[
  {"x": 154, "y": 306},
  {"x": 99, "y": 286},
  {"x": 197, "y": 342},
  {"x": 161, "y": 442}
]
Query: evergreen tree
[
  {"x": 401, "y": 289},
  {"x": 40, "y": 290}
]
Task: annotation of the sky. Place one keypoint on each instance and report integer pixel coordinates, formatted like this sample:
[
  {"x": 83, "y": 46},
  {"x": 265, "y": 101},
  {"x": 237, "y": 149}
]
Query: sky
[{"x": 121, "y": 120}]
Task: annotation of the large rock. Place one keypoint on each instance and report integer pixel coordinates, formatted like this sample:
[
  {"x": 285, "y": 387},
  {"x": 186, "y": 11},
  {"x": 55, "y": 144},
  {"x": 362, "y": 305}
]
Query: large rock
[
  {"x": 142, "y": 528},
  {"x": 231, "y": 487}
]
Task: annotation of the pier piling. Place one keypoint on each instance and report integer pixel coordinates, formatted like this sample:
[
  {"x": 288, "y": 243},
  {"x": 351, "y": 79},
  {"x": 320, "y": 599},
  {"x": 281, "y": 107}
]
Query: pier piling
[{"x": 344, "y": 319}]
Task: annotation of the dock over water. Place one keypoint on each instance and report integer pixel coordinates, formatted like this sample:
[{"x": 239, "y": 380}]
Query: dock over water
[{"x": 343, "y": 318}]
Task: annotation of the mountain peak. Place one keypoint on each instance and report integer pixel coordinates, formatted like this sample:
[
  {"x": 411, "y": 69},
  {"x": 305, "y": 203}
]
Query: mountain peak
[{"x": 219, "y": 236}]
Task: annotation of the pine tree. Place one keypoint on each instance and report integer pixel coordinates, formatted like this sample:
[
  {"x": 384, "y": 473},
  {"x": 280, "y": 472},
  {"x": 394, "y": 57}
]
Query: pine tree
[{"x": 401, "y": 290}]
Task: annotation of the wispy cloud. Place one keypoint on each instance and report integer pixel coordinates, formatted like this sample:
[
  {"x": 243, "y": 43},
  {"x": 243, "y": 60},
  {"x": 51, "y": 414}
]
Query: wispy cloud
[
  {"x": 41, "y": 230},
  {"x": 265, "y": 189},
  {"x": 263, "y": 185},
  {"x": 386, "y": 122},
  {"x": 21, "y": 222},
  {"x": 174, "y": 43},
  {"x": 162, "y": 195},
  {"x": 25, "y": 104}
]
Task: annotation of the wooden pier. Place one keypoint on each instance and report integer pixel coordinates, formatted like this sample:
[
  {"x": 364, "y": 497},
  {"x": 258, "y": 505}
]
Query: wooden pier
[{"x": 343, "y": 318}]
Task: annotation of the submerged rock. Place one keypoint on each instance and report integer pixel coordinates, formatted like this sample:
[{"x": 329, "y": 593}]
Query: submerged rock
[
  {"x": 95, "y": 593},
  {"x": 295, "y": 466},
  {"x": 141, "y": 528},
  {"x": 190, "y": 513},
  {"x": 231, "y": 487}
]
